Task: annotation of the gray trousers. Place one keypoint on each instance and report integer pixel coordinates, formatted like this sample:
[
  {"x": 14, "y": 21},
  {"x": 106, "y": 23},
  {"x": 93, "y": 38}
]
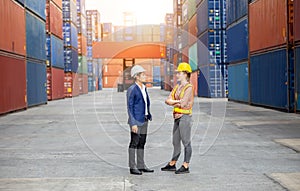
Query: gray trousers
[
  {"x": 182, "y": 133},
  {"x": 136, "y": 147}
]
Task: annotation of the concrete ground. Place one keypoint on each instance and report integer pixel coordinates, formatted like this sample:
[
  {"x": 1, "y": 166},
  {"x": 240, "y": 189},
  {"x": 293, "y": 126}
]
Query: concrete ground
[{"x": 81, "y": 144}]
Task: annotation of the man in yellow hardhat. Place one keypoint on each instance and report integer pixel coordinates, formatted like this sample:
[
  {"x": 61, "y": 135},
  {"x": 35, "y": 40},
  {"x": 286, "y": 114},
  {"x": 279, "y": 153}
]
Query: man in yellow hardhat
[{"x": 182, "y": 99}]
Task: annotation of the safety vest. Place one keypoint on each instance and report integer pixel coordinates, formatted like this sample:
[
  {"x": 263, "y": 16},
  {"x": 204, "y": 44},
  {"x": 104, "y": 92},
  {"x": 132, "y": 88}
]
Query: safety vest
[{"x": 177, "y": 109}]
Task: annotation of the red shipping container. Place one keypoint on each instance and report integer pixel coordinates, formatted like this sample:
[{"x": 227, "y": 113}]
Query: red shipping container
[
  {"x": 297, "y": 20},
  {"x": 55, "y": 83},
  {"x": 57, "y": 3},
  {"x": 83, "y": 84},
  {"x": 194, "y": 81},
  {"x": 193, "y": 30},
  {"x": 97, "y": 83},
  {"x": 185, "y": 54},
  {"x": 267, "y": 24},
  {"x": 71, "y": 86},
  {"x": 110, "y": 81},
  {"x": 113, "y": 69},
  {"x": 175, "y": 65},
  {"x": 54, "y": 20},
  {"x": 12, "y": 30},
  {"x": 12, "y": 84},
  {"x": 82, "y": 45}
]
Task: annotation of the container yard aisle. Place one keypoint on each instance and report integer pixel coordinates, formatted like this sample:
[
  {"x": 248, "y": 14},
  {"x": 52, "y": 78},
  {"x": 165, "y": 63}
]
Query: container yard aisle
[{"x": 81, "y": 144}]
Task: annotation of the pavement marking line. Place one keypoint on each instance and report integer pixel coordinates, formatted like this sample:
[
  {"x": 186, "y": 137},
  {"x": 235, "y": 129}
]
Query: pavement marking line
[
  {"x": 290, "y": 181},
  {"x": 65, "y": 183},
  {"x": 290, "y": 143},
  {"x": 254, "y": 123}
]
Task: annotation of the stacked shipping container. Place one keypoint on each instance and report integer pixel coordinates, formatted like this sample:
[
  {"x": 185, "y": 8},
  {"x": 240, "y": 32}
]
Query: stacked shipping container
[
  {"x": 12, "y": 57},
  {"x": 35, "y": 52},
  {"x": 54, "y": 50},
  {"x": 70, "y": 37},
  {"x": 271, "y": 54},
  {"x": 237, "y": 50},
  {"x": 211, "y": 48},
  {"x": 82, "y": 47},
  {"x": 297, "y": 52},
  {"x": 94, "y": 66}
]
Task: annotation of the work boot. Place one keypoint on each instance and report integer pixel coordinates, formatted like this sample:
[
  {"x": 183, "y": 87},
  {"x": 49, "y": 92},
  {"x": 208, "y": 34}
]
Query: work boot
[
  {"x": 168, "y": 167},
  {"x": 182, "y": 170}
]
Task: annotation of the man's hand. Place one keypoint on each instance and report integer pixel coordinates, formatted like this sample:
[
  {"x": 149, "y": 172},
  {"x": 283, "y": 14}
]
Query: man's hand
[{"x": 134, "y": 129}]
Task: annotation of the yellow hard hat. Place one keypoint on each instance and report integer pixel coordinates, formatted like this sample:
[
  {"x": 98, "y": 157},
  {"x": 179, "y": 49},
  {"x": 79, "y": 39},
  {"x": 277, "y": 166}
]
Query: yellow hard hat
[{"x": 184, "y": 67}]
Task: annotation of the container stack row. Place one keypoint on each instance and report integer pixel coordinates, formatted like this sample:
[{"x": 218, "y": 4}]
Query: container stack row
[
  {"x": 82, "y": 47},
  {"x": 237, "y": 50},
  {"x": 94, "y": 66},
  {"x": 211, "y": 50},
  {"x": 263, "y": 52},
  {"x": 70, "y": 38},
  {"x": 54, "y": 50}
]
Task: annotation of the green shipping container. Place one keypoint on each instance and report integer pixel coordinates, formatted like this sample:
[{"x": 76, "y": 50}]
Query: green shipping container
[
  {"x": 191, "y": 8},
  {"x": 82, "y": 65},
  {"x": 193, "y": 57}
]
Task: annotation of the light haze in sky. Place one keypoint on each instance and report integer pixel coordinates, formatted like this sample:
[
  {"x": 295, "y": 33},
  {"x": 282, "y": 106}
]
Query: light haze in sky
[{"x": 146, "y": 11}]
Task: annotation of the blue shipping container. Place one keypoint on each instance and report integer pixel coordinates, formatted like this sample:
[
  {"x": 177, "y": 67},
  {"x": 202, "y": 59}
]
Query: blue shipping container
[
  {"x": 297, "y": 76},
  {"x": 37, "y": 6},
  {"x": 35, "y": 37},
  {"x": 212, "y": 81},
  {"x": 55, "y": 51},
  {"x": 91, "y": 84},
  {"x": 71, "y": 60},
  {"x": 156, "y": 75},
  {"x": 36, "y": 83},
  {"x": 193, "y": 57},
  {"x": 81, "y": 7},
  {"x": 202, "y": 17},
  {"x": 268, "y": 78},
  {"x": 70, "y": 35},
  {"x": 69, "y": 10},
  {"x": 237, "y": 42},
  {"x": 238, "y": 79},
  {"x": 235, "y": 10}
]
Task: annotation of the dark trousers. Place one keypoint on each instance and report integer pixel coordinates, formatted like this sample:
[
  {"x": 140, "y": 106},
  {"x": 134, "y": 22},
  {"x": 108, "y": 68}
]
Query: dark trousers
[{"x": 136, "y": 147}]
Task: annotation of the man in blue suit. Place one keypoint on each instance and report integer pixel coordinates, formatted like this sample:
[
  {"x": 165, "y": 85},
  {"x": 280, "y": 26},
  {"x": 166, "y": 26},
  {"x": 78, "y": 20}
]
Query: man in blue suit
[{"x": 138, "y": 108}]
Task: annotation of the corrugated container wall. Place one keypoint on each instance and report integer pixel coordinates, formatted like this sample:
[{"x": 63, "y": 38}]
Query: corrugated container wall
[
  {"x": 55, "y": 83},
  {"x": 82, "y": 65},
  {"x": 55, "y": 51},
  {"x": 81, "y": 7},
  {"x": 54, "y": 20},
  {"x": 193, "y": 57},
  {"x": 297, "y": 21},
  {"x": 193, "y": 30},
  {"x": 71, "y": 85},
  {"x": 71, "y": 60},
  {"x": 297, "y": 76},
  {"x": 235, "y": 10},
  {"x": 237, "y": 41},
  {"x": 36, "y": 83},
  {"x": 12, "y": 83},
  {"x": 202, "y": 17},
  {"x": 69, "y": 9},
  {"x": 191, "y": 8},
  {"x": 70, "y": 35},
  {"x": 268, "y": 78},
  {"x": 238, "y": 78},
  {"x": 267, "y": 24},
  {"x": 35, "y": 37},
  {"x": 12, "y": 30},
  {"x": 37, "y": 6},
  {"x": 57, "y": 2}
]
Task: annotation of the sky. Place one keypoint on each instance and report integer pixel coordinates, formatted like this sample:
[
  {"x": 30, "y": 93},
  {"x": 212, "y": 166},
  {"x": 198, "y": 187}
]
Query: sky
[{"x": 146, "y": 11}]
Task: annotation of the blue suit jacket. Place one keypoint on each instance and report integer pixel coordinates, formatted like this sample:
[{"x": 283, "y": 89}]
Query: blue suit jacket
[{"x": 136, "y": 106}]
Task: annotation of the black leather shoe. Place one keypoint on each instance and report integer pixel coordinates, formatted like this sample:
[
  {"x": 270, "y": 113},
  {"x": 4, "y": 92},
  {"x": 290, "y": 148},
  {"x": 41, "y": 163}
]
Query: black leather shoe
[
  {"x": 168, "y": 167},
  {"x": 146, "y": 170},
  {"x": 182, "y": 170},
  {"x": 135, "y": 171}
]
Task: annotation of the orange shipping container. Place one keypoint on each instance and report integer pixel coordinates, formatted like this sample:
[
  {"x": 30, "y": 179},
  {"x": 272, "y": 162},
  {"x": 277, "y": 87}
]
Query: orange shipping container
[
  {"x": 54, "y": 20},
  {"x": 57, "y": 2},
  {"x": 83, "y": 83},
  {"x": 185, "y": 54},
  {"x": 82, "y": 45},
  {"x": 71, "y": 86},
  {"x": 193, "y": 30},
  {"x": 12, "y": 30},
  {"x": 267, "y": 24},
  {"x": 110, "y": 81},
  {"x": 112, "y": 69},
  {"x": 297, "y": 20}
]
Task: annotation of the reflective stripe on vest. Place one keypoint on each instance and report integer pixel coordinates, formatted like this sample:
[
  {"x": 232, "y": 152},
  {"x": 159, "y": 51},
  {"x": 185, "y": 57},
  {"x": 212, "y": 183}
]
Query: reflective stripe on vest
[{"x": 177, "y": 109}]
